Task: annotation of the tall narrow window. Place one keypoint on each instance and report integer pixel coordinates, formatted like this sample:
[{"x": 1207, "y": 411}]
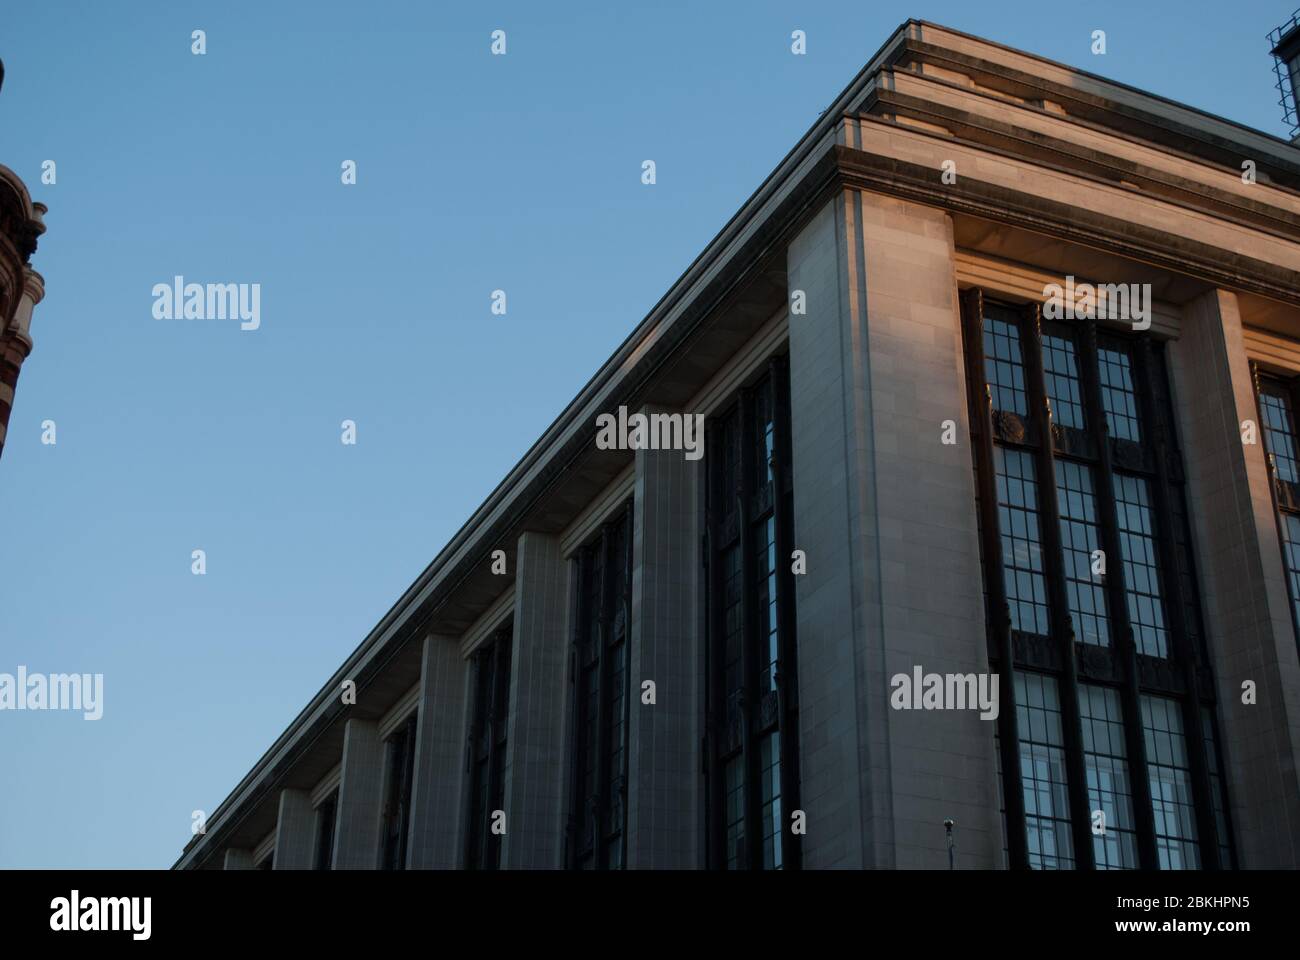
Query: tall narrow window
[
  {"x": 1146, "y": 608},
  {"x": 326, "y": 815},
  {"x": 397, "y": 796},
  {"x": 1093, "y": 617},
  {"x": 1277, "y": 417},
  {"x": 1042, "y": 772},
  {"x": 598, "y": 819},
  {"x": 1118, "y": 397},
  {"x": 1114, "y": 837},
  {"x": 1022, "y": 542},
  {"x": 1081, "y": 543},
  {"x": 1171, "y": 784},
  {"x": 487, "y": 753},
  {"x": 752, "y": 703}
]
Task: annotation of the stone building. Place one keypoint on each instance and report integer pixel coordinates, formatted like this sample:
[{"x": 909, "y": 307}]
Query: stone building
[
  {"x": 998, "y": 370},
  {"x": 21, "y": 287}
]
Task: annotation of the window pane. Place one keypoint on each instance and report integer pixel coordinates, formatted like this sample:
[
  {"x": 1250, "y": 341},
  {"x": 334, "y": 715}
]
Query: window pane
[
  {"x": 1171, "y": 784},
  {"x": 1042, "y": 772},
  {"x": 1004, "y": 362},
  {"x": 1080, "y": 537},
  {"x": 1109, "y": 789},
  {"x": 1061, "y": 375},
  {"x": 1146, "y": 607},
  {"x": 1022, "y": 548},
  {"x": 1115, "y": 371},
  {"x": 1279, "y": 430}
]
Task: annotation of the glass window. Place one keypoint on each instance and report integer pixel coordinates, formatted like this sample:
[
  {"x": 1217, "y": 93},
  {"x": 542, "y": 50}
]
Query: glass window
[
  {"x": 1061, "y": 376},
  {"x": 1080, "y": 538},
  {"x": 397, "y": 796},
  {"x": 1042, "y": 773},
  {"x": 1118, "y": 399},
  {"x": 1022, "y": 546},
  {"x": 1279, "y": 430},
  {"x": 488, "y": 750},
  {"x": 1004, "y": 366},
  {"x": 1114, "y": 837},
  {"x": 1146, "y": 608},
  {"x": 1171, "y": 784},
  {"x": 326, "y": 815}
]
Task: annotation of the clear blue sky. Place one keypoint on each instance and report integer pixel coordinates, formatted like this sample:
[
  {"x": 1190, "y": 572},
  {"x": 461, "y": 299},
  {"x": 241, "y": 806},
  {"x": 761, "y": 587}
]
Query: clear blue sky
[{"x": 474, "y": 173}]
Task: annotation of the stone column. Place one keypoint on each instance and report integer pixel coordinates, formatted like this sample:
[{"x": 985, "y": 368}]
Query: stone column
[
  {"x": 435, "y": 841},
  {"x": 535, "y": 754},
  {"x": 886, "y": 515},
  {"x": 356, "y": 832},
  {"x": 664, "y": 779},
  {"x": 295, "y": 834},
  {"x": 1244, "y": 594}
]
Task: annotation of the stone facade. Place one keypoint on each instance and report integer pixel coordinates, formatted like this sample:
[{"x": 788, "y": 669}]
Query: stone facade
[{"x": 951, "y": 164}]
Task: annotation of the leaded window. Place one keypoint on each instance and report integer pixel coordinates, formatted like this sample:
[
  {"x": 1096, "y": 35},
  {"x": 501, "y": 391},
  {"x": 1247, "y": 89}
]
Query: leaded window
[
  {"x": 1093, "y": 618},
  {"x": 397, "y": 795},
  {"x": 752, "y": 708},
  {"x": 1278, "y": 426},
  {"x": 326, "y": 817},
  {"x": 599, "y": 668},
  {"x": 487, "y": 752}
]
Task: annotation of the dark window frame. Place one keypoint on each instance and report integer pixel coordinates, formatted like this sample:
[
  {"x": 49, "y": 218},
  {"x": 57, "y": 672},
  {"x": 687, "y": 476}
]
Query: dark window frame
[
  {"x": 751, "y": 702},
  {"x": 596, "y": 831},
  {"x": 396, "y": 824},
  {"x": 485, "y": 753},
  {"x": 1285, "y": 492},
  {"x": 1184, "y": 674},
  {"x": 326, "y": 823}
]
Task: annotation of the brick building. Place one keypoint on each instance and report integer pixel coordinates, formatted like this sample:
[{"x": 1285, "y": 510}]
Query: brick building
[{"x": 916, "y": 460}]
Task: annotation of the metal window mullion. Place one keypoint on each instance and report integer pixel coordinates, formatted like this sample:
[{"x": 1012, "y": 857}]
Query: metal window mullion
[
  {"x": 1117, "y": 596},
  {"x": 1186, "y": 654},
  {"x": 748, "y": 665},
  {"x": 1058, "y": 593},
  {"x": 787, "y": 661},
  {"x": 578, "y": 620},
  {"x": 715, "y": 697},
  {"x": 999, "y": 613},
  {"x": 1273, "y": 486},
  {"x": 598, "y": 800}
]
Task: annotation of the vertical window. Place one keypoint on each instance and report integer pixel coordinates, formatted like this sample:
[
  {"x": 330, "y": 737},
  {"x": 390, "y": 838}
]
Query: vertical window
[
  {"x": 1004, "y": 364},
  {"x": 1118, "y": 398},
  {"x": 1109, "y": 790},
  {"x": 1080, "y": 539},
  {"x": 1279, "y": 430},
  {"x": 326, "y": 815},
  {"x": 1061, "y": 376},
  {"x": 1042, "y": 773},
  {"x": 1277, "y": 416},
  {"x": 752, "y": 689},
  {"x": 487, "y": 752},
  {"x": 1141, "y": 572},
  {"x": 1022, "y": 545},
  {"x": 1084, "y": 540},
  {"x": 599, "y": 766},
  {"x": 397, "y": 796},
  {"x": 1171, "y": 784}
]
